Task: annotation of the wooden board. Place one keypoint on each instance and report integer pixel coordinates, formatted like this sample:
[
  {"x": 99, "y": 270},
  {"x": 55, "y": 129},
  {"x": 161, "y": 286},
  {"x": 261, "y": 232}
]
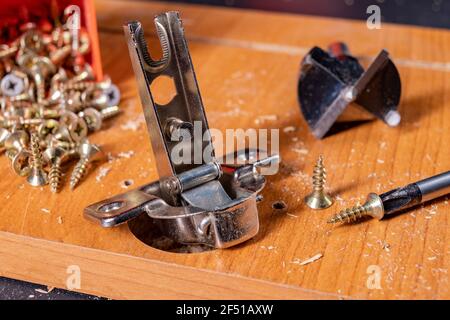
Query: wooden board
[{"x": 247, "y": 65}]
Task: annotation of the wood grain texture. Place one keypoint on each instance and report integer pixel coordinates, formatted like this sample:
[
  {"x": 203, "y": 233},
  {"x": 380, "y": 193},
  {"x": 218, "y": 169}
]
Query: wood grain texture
[{"x": 247, "y": 65}]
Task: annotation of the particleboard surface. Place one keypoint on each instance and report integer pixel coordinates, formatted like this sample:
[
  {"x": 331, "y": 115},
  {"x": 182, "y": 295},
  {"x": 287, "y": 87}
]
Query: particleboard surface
[{"x": 247, "y": 66}]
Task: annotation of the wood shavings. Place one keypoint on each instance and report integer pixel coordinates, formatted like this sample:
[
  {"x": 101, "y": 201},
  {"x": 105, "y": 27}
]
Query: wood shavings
[
  {"x": 263, "y": 118},
  {"x": 121, "y": 155},
  {"x": 432, "y": 210},
  {"x": 384, "y": 245},
  {"x": 232, "y": 111},
  {"x": 49, "y": 289},
  {"x": 133, "y": 125},
  {"x": 301, "y": 151},
  {"x": 289, "y": 129},
  {"x": 312, "y": 259},
  {"x": 303, "y": 176},
  {"x": 110, "y": 157},
  {"x": 41, "y": 291},
  {"x": 102, "y": 172},
  {"x": 45, "y": 210},
  {"x": 126, "y": 154},
  {"x": 242, "y": 75},
  {"x": 308, "y": 261}
]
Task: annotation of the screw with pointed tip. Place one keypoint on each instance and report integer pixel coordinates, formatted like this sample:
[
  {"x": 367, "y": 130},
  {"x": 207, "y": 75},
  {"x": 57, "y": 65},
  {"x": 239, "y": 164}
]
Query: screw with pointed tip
[
  {"x": 40, "y": 69},
  {"x": 55, "y": 155},
  {"x": 319, "y": 199},
  {"x": 88, "y": 152},
  {"x": 37, "y": 176},
  {"x": 373, "y": 207}
]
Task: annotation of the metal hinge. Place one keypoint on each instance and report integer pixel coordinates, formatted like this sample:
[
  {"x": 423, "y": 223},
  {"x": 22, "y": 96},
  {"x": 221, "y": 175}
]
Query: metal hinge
[{"x": 199, "y": 202}]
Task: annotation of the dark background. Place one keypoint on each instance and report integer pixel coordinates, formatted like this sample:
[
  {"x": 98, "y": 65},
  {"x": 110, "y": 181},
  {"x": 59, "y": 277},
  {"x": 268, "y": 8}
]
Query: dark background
[{"x": 430, "y": 13}]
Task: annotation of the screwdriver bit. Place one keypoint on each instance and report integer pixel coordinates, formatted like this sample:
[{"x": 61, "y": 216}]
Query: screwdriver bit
[{"x": 377, "y": 206}]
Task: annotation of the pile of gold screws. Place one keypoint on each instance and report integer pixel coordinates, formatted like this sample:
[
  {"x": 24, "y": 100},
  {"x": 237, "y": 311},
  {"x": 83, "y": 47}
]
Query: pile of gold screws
[{"x": 49, "y": 103}]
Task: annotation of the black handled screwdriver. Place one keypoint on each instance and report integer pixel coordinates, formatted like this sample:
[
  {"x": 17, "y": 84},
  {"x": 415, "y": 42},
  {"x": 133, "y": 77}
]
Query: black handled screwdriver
[{"x": 377, "y": 206}]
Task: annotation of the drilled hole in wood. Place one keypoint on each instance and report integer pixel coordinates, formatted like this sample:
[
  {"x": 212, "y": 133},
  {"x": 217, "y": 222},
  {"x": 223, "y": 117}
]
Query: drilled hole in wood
[{"x": 279, "y": 205}]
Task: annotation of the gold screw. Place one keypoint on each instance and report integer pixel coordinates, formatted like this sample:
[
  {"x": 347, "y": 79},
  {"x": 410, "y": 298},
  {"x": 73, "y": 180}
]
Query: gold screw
[
  {"x": 86, "y": 85},
  {"x": 40, "y": 68},
  {"x": 86, "y": 74},
  {"x": 54, "y": 176},
  {"x": 37, "y": 177},
  {"x": 92, "y": 117},
  {"x": 55, "y": 155},
  {"x": 8, "y": 123},
  {"x": 87, "y": 152},
  {"x": 373, "y": 207},
  {"x": 110, "y": 112},
  {"x": 319, "y": 199}
]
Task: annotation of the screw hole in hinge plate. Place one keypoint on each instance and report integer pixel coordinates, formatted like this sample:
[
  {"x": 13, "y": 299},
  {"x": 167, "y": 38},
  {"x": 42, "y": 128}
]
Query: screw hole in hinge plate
[{"x": 112, "y": 206}]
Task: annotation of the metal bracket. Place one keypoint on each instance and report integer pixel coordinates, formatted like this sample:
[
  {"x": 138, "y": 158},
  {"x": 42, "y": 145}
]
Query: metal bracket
[{"x": 200, "y": 202}]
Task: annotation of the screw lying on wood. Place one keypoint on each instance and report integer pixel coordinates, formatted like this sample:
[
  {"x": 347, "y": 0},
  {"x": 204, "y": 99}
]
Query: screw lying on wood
[{"x": 87, "y": 153}]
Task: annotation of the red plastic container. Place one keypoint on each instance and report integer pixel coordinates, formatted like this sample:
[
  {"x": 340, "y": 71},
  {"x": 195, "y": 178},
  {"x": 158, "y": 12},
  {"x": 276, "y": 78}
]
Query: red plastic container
[{"x": 43, "y": 12}]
